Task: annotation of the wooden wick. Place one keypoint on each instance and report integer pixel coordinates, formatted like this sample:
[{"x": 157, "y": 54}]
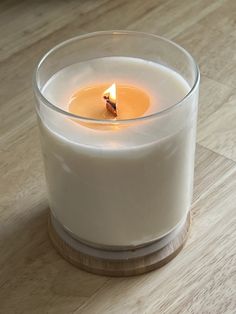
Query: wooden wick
[{"x": 110, "y": 105}]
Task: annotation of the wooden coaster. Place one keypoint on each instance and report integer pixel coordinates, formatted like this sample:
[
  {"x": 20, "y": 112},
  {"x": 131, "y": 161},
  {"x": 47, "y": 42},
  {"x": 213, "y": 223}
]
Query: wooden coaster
[{"x": 122, "y": 263}]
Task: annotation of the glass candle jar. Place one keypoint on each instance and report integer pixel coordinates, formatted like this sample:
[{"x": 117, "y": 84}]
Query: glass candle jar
[{"x": 117, "y": 184}]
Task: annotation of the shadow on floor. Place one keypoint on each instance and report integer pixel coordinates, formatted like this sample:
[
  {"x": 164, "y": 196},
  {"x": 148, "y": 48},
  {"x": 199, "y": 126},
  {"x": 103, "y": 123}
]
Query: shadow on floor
[{"x": 34, "y": 277}]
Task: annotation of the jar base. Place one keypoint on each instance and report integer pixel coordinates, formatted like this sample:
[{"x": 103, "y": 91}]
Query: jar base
[{"x": 117, "y": 263}]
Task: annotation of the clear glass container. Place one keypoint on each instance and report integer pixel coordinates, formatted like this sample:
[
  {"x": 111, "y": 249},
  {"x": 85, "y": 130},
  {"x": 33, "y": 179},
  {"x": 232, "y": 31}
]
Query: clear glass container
[{"x": 118, "y": 184}]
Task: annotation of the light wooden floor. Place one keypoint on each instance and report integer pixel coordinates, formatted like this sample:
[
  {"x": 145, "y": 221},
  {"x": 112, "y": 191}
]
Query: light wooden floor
[{"x": 33, "y": 277}]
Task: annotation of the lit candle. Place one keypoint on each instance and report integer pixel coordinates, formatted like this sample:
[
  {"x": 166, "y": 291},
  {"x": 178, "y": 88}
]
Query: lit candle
[
  {"x": 118, "y": 186},
  {"x": 118, "y": 139}
]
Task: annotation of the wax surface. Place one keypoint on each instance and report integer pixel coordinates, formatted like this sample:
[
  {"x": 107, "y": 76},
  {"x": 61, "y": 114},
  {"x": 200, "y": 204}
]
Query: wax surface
[
  {"x": 163, "y": 86},
  {"x": 131, "y": 102}
]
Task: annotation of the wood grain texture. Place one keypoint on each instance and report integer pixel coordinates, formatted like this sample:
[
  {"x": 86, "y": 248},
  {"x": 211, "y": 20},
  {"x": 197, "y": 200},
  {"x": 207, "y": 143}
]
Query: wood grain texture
[
  {"x": 218, "y": 131},
  {"x": 121, "y": 267},
  {"x": 33, "y": 277}
]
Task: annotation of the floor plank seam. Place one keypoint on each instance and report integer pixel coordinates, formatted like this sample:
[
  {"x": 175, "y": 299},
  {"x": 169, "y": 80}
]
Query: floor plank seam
[
  {"x": 60, "y": 29},
  {"x": 217, "y": 153}
]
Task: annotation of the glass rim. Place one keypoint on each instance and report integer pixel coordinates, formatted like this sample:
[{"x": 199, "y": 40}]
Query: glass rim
[{"x": 39, "y": 94}]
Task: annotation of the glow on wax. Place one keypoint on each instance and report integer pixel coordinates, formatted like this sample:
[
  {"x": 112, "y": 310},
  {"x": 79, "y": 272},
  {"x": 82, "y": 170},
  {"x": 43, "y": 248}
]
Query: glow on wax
[{"x": 130, "y": 101}]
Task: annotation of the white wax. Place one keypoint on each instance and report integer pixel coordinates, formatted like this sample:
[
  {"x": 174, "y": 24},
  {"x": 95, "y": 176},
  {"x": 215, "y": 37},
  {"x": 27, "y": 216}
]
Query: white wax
[{"x": 126, "y": 186}]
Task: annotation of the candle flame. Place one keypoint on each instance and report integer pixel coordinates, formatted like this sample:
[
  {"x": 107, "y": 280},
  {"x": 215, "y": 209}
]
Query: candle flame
[
  {"x": 110, "y": 97},
  {"x": 111, "y": 93}
]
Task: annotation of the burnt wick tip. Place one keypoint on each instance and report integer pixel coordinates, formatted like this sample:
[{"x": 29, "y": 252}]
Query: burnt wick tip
[{"x": 110, "y": 105}]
